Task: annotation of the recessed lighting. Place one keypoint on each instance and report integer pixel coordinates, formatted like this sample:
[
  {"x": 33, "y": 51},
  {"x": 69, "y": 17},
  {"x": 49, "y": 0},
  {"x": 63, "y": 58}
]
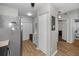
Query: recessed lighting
[{"x": 29, "y": 14}]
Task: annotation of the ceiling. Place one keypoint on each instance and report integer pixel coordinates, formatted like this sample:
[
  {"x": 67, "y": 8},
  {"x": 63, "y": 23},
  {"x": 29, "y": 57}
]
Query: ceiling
[
  {"x": 22, "y": 7},
  {"x": 26, "y": 7},
  {"x": 65, "y": 7}
]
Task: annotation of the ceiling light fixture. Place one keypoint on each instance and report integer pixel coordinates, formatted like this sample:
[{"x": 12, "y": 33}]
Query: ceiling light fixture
[
  {"x": 21, "y": 24},
  {"x": 29, "y": 14},
  {"x": 10, "y": 24},
  {"x": 59, "y": 15}
]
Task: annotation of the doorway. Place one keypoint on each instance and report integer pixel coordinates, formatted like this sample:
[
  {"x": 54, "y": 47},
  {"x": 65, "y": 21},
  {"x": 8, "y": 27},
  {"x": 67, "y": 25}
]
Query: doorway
[
  {"x": 60, "y": 35},
  {"x": 30, "y": 37},
  {"x": 27, "y": 31},
  {"x": 62, "y": 30}
]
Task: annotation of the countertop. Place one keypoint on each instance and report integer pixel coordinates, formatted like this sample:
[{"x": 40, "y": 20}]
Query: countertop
[{"x": 4, "y": 43}]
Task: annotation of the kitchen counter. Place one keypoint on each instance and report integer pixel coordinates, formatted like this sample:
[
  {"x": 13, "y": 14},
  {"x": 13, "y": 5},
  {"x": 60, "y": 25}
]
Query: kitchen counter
[{"x": 4, "y": 43}]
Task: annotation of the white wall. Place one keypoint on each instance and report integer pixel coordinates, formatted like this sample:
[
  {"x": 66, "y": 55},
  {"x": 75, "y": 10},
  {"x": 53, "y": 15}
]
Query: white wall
[
  {"x": 46, "y": 39},
  {"x": 74, "y": 28},
  {"x": 59, "y": 25},
  {"x": 70, "y": 17},
  {"x": 44, "y": 8},
  {"x": 27, "y": 30},
  {"x": 7, "y": 15},
  {"x": 26, "y": 19},
  {"x": 54, "y": 34},
  {"x": 8, "y": 11},
  {"x": 26, "y": 27},
  {"x": 76, "y": 25},
  {"x": 35, "y": 30},
  {"x": 64, "y": 26},
  {"x": 64, "y": 30},
  {"x": 43, "y": 32}
]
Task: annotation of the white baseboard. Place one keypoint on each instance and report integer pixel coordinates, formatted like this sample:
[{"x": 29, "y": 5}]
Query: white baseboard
[
  {"x": 54, "y": 53},
  {"x": 37, "y": 48},
  {"x": 46, "y": 53},
  {"x": 42, "y": 51},
  {"x": 70, "y": 41}
]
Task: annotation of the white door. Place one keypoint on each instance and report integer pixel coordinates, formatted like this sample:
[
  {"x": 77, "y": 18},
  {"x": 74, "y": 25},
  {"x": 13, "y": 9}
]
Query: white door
[
  {"x": 27, "y": 29},
  {"x": 42, "y": 25}
]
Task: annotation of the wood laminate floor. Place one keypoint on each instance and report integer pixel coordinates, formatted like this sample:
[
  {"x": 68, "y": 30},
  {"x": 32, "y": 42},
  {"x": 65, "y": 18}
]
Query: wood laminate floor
[
  {"x": 67, "y": 49},
  {"x": 29, "y": 49},
  {"x": 64, "y": 49}
]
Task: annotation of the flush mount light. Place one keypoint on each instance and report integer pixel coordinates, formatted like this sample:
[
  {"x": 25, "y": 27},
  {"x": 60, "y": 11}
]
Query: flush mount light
[
  {"x": 13, "y": 28},
  {"x": 21, "y": 24},
  {"x": 29, "y": 14},
  {"x": 59, "y": 14},
  {"x": 10, "y": 24}
]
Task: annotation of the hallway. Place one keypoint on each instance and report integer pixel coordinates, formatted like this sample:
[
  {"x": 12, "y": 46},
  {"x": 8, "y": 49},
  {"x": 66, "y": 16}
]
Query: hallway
[
  {"x": 29, "y": 49},
  {"x": 67, "y": 49}
]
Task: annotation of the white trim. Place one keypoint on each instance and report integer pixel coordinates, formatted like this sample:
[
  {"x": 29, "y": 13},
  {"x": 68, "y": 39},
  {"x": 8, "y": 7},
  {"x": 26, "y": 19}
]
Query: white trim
[
  {"x": 70, "y": 41},
  {"x": 25, "y": 39},
  {"x": 37, "y": 48},
  {"x": 54, "y": 53},
  {"x": 42, "y": 51}
]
